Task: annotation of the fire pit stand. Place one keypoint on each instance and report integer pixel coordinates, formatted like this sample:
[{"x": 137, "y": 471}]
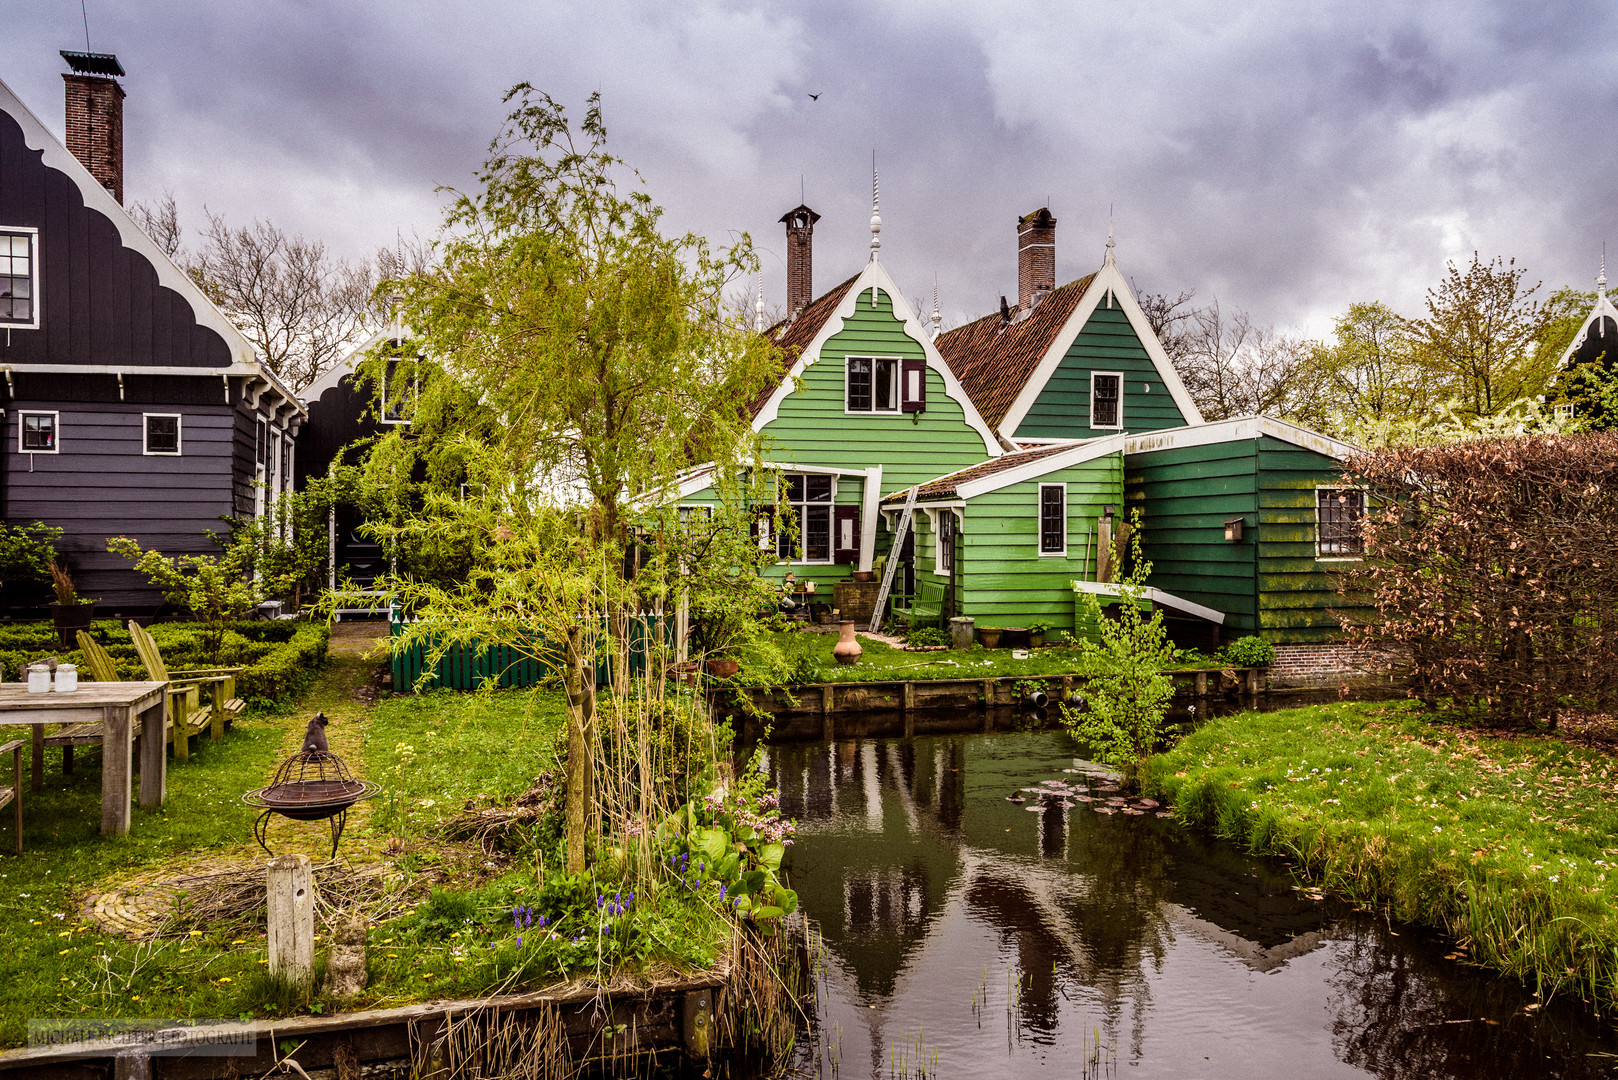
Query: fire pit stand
[{"x": 311, "y": 785}]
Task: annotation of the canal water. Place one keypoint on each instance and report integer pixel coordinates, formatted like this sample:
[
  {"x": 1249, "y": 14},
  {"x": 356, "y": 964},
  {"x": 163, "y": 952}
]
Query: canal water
[{"x": 962, "y": 935}]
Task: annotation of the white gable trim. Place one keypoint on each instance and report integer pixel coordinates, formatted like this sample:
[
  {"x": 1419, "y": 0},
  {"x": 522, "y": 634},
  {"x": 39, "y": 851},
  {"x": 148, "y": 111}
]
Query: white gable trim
[
  {"x": 875, "y": 276},
  {"x": 98, "y": 198},
  {"x": 1244, "y": 427},
  {"x": 348, "y": 363},
  {"x": 1108, "y": 280},
  {"x": 1602, "y": 309},
  {"x": 1157, "y": 596},
  {"x": 1088, "y": 450}
]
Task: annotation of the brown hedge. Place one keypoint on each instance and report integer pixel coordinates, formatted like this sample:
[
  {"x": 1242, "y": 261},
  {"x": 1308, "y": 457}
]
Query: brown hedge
[{"x": 1496, "y": 564}]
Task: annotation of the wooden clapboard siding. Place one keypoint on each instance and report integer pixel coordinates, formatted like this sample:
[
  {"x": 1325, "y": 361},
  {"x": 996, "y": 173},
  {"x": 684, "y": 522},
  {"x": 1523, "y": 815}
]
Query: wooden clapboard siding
[
  {"x": 1005, "y": 581},
  {"x": 1185, "y": 496},
  {"x": 101, "y": 485},
  {"x": 812, "y": 428},
  {"x": 1297, "y": 593},
  {"x": 1107, "y": 343}
]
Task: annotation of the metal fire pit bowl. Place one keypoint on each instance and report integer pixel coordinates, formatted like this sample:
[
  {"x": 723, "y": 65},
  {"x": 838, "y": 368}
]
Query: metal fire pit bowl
[{"x": 311, "y": 785}]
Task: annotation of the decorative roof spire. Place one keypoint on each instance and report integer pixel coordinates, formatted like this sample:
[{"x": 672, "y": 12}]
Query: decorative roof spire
[
  {"x": 938, "y": 319},
  {"x": 1110, "y": 243},
  {"x": 876, "y": 213},
  {"x": 758, "y": 306},
  {"x": 1601, "y": 278}
]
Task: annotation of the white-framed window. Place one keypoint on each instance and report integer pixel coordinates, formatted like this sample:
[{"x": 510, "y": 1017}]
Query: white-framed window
[
  {"x": 19, "y": 278},
  {"x": 810, "y": 496},
  {"x": 1106, "y": 399},
  {"x": 160, "y": 434},
  {"x": 944, "y": 556},
  {"x": 871, "y": 384},
  {"x": 37, "y": 432},
  {"x": 1053, "y": 519},
  {"x": 1339, "y": 523}
]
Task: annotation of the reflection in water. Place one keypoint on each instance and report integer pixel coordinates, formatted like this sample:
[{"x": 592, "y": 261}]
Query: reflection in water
[{"x": 1017, "y": 935}]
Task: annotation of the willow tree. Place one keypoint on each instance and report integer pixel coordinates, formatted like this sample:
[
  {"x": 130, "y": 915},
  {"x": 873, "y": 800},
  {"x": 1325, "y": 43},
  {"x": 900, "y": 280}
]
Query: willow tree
[{"x": 568, "y": 363}]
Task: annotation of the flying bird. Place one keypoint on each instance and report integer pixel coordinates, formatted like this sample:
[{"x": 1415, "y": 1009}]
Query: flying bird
[{"x": 814, "y": 97}]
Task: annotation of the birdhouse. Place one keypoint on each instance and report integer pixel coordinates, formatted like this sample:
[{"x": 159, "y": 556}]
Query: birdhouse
[{"x": 1233, "y": 530}]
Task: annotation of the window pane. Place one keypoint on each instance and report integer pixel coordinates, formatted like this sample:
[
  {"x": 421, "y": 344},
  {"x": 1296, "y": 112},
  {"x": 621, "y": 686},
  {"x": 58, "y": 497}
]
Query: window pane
[
  {"x": 859, "y": 386},
  {"x": 163, "y": 434},
  {"x": 1104, "y": 401},
  {"x": 1052, "y": 519},
  {"x": 885, "y": 384},
  {"x": 817, "y": 488},
  {"x": 38, "y": 432},
  {"x": 1341, "y": 514},
  {"x": 794, "y": 489},
  {"x": 817, "y": 533}
]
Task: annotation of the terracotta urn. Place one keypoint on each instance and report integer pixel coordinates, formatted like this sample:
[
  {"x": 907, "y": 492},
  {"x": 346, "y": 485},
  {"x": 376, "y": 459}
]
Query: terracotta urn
[{"x": 847, "y": 650}]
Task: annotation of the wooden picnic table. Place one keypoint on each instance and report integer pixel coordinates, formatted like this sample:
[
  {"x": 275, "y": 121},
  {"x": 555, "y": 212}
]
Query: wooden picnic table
[{"x": 115, "y": 706}]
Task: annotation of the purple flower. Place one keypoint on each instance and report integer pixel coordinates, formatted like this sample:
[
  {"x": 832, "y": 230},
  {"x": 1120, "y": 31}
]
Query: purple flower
[
  {"x": 599, "y": 901},
  {"x": 722, "y": 889},
  {"x": 519, "y": 941},
  {"x": 631, "y": 898},
  {"x": 542, "y": 922}
]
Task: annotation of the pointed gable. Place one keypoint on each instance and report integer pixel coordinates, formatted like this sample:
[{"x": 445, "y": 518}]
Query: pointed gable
[{"x": 791, "y": 336}]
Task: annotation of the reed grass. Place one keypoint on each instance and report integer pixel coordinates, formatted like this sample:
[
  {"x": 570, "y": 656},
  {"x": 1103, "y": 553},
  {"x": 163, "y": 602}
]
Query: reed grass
[{"x": 1506, "y": 843}]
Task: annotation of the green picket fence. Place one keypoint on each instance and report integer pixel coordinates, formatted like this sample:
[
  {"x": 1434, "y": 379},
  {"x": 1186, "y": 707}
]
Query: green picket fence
[{"x": 469, "y": 667}]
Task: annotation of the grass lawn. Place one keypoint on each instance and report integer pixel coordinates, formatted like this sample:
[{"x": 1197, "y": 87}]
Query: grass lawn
[
  {"x": 810, "y": 655},
  {"x": 1508, "y": 844},
  {"x": 445, "y": 904}
]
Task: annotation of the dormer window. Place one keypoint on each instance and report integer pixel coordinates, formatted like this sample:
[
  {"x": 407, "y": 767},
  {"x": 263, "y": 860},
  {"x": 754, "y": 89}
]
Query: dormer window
[
  {"x": 19, "y": 278},
  {"x": 872, "y": 384}
]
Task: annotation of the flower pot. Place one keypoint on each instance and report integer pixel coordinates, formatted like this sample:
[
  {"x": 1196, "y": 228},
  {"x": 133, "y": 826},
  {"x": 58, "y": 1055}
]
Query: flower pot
[
  {"x": 723, "y": 669},
  {"x": 69, "y": 620},
  {"x": 865, "y": 575},
  {"x": 684, "y": 673},
  {"x": 848, "y": 649},
  {"x": 1036, "y": 639},
  {"x": 960, "y": 632},
  {"x": 990, "y": 636}
]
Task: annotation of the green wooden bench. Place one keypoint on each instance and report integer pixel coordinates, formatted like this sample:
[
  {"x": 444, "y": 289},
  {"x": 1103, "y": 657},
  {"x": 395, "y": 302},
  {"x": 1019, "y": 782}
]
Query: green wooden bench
[
  {"x": 926, "y": 608},
  {"x": 190, "y": 716}
]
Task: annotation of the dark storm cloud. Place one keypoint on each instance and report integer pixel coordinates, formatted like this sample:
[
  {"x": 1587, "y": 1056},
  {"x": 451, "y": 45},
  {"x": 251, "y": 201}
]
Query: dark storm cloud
[{"x": 1286, "y": 158}]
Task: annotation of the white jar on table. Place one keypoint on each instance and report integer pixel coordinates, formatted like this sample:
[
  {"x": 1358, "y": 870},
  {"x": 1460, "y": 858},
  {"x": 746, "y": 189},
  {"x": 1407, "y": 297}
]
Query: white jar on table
[
  {"x": 67, "y": 678},
  {"x": 39, "y": 679}
]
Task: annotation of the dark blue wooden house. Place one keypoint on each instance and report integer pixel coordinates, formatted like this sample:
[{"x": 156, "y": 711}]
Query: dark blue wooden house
[{"x": 131, "y": 405}]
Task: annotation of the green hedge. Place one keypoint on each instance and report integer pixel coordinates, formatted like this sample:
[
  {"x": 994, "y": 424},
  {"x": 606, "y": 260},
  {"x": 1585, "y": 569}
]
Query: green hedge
[{"x": 281, "y": 657}]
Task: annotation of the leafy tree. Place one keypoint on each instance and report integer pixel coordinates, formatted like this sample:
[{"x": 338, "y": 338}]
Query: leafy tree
[
  {"x": 1368, "y": 372},
  {"x": 1127, "y": 698},
  {"x": 572, "y": 364}
]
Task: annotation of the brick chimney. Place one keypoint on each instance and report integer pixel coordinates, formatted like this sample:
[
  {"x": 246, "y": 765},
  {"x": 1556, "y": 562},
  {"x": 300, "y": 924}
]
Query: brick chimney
[
  {"x": 800, "y": 224},
  {"x": 95, "y": 116},
  {"x": 1036, "y": 257}
]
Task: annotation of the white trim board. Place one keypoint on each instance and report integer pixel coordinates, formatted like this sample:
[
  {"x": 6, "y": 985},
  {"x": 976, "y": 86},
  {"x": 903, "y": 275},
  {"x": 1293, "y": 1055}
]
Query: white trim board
[
  {"x": 1237, "y": 430},
  {"x": 1107, "y": 280},
  {"x": 1088, "y": 450},
  {"x": 876, "y": 276},
  {"x": 1156, "y": 596},
  {"x": 1603, "y": 309}
]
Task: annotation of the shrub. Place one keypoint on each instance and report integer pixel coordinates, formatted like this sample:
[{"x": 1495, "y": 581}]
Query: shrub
[
  {"x": 926, "y": 636},
  {"x": 1249, "y": 651}
]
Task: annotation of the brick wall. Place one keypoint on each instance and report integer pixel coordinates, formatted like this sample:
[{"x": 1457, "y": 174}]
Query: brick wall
[
  {"x": 1036, "y": 256},
  {"x": 95, "y": 128},
  {"x": 1323, "y": 665},
  {"x": 800, "y": 262}
]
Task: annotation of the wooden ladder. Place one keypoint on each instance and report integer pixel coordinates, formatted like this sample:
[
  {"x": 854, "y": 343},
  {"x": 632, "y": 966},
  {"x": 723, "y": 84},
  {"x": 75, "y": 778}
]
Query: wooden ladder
[{"x": 893, "y": 559}]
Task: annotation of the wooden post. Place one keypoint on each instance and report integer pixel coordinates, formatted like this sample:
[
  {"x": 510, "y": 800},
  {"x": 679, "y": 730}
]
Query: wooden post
[
  {"x": 828, "y": 702},
  {"x": 132, "y": 1065},
  {"x": 1202, "y": 685},
  {"x": 696, "y": 1024},
  {"x": 154, "y": 751},
  {"x": 115, "y": 767},
  {"x": 39, "y": 757},
  {"x": 290, "y": 918}
]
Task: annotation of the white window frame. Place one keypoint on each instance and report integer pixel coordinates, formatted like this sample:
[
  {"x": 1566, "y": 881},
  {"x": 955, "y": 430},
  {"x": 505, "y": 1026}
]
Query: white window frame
[
  {"x": 1319, "y": 557},
  {"x": 939, "y": 549},
  {"x": 898, "y": 387},
  {"x": 34, "y": 281},
  {"x": 831, "y": 525},
  {"x": 1119, "y": 426},
  {"x": 179, "y": 435},
  {"x": 1039, "y": 523},
  {"x": 56, "y": 426}
]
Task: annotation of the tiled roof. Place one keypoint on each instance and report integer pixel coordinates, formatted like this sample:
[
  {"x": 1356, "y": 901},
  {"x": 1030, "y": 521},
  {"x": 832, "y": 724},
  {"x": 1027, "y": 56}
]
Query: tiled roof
[
  {"x": 995, "y": 363},
  {"x": 792, "y": 336},
  {"x": 946, "y": 487}
]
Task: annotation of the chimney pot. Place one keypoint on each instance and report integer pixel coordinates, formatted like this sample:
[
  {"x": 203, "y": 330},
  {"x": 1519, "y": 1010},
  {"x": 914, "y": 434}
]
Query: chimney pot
[
  {"x": 1036, "y": 257},
  {"x": 800, "y": 223},
  {"x": 95, "y": 119}
]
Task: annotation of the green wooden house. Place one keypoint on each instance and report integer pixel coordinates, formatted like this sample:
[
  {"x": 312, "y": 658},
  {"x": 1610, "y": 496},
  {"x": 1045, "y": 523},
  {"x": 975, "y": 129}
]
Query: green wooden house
[{"x": 1248, "y": 517}]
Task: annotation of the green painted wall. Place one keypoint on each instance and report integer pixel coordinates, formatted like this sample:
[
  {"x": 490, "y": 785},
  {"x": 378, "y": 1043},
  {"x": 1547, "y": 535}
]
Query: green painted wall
[
  {"x": 1005, "y": 580},
  {"x": 1107, "y": 343},
  {"x": 1271, "y": 583}
]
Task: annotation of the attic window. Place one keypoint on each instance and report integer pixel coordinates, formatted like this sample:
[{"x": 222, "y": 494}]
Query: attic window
[
  {"x": 871, "y": 384},
  {"x": 1106, "y": 399},
  {"x": 19, "y": 278}
]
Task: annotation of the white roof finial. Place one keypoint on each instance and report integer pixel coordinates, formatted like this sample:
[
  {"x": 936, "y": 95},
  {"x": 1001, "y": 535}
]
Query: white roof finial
[
  {"x": 876, "y": 214},
  {"x": 938, "y": 319},
  {"x": 1601, "y": 279},
  {"x": 758, "y": 306},
  {"x": 1110, "y": 244}
]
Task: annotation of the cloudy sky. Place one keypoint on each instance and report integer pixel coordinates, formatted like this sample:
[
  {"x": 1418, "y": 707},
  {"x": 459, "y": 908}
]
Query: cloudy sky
[{"x": 1286, "y": 158}]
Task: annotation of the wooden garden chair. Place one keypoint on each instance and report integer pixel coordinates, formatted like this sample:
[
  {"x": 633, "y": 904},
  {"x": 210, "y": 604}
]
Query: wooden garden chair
[
  {"x": 13, "y": 794},
  {"x": 185, "y": 688},
  {"x": 102, "y": 668}
]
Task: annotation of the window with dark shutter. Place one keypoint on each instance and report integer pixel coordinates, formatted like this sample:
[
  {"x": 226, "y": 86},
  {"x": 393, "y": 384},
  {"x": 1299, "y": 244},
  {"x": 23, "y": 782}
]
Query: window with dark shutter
[
  {"x": 1339, "y": 522},
  {"x": 913, "y": 386},
  {"x": 1053, "y": 519},
  {"x": 871, "y": 384},
  {"x": 1106, "y": 390},
  {"x": 846, "y": 539}
]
